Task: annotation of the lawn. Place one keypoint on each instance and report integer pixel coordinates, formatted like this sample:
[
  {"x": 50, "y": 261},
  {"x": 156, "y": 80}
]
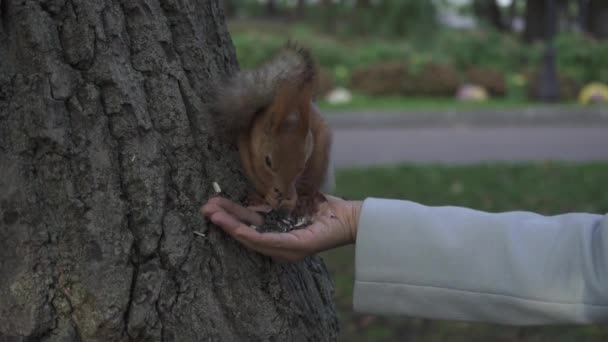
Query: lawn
[{"x": 547, "y": 188}]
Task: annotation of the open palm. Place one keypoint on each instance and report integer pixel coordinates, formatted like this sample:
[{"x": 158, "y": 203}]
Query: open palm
[{"x": 333, "y": 225}]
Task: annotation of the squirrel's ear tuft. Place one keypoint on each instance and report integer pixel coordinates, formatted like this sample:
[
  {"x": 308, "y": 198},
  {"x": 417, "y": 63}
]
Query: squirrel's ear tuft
[{"x": 293, "y": 75}]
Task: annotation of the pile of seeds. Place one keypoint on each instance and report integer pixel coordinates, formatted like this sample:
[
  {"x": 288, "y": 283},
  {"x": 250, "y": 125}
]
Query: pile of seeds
[{"x": 277, "y": 221}]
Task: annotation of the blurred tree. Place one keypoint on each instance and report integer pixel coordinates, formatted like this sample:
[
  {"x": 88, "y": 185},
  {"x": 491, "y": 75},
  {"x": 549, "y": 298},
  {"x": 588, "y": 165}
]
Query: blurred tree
[
  {"x": 535, "y": 20},
  {"x": 568, "y": 15},
  {"x": 598, "y": 18},
  {"x": 300, "y": 8},
  {"x": 592, "y": 17},
  {"x": 271, "y": 8},
  {"x": 583, "y": 14},
  {"x": 328, "y": 13},
  {"x": 549, "y": 82},
  {"x": 512, "y": 14},
  {"x": 403, "y": 18},
  {"x": 363, "y": 3},
  {"x": 489, "y": 11}
]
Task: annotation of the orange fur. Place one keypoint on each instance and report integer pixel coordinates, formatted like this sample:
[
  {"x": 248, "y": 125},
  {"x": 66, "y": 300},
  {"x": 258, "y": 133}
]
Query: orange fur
[{"x": 283, "y": 141}]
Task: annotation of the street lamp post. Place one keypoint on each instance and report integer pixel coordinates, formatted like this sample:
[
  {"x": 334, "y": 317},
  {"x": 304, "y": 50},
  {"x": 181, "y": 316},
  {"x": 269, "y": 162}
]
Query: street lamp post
[{"x": 549, "y": 83}]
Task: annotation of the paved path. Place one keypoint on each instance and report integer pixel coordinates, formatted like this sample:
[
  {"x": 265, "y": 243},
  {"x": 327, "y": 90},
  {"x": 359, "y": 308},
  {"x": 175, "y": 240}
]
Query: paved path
[
  {"x": 529, "y": 116},
  {"x": 367, "y": 145}
]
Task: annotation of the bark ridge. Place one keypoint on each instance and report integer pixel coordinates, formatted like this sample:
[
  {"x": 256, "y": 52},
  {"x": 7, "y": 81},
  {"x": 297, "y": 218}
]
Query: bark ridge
[{"x": 106, "y": 154}]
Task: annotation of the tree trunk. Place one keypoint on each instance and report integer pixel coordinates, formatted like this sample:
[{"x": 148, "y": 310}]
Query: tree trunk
[
  {"x": 363, "y": 4},
  {"x": 106, "y": 154},
  {"x": 488, "y": 10},
  {"x": 512, "y": 14},
  {"x": 271, "y": 8},
  {"x": 328, "y": 14},
  {"x": 535, "y": 21},
  {"x": 583, "y": 15},
  {"x": 598, "y": 18},
  {"x": 299, "y": 10}
]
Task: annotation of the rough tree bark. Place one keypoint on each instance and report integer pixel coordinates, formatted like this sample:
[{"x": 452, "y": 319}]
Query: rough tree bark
[{"x": 106, "y": 155}]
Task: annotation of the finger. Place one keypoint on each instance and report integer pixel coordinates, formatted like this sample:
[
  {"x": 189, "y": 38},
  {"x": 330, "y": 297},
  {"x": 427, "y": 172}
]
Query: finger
[
  {"x": 260, "y": 208},
  {"x": 209, "y": 209},
  {"x": 270, "y": 244},
  {"x": 245, "y": 235},
  {"x": 238, "y": 210},
  {"x": 234, "y": 227},
  {"x": 264, "y": 242}
]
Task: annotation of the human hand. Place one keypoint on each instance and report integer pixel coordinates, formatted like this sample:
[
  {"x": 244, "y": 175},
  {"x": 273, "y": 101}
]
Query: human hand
[{"x": 334, "y": 225}]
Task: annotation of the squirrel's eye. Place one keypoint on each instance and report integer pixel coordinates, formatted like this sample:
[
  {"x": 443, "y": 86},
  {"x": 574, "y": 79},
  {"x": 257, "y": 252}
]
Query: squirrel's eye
[{"x": 268, "y": 162}]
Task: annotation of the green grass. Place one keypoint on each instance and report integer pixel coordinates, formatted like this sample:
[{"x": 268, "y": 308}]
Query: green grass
[{"x": 547, "y": 188}]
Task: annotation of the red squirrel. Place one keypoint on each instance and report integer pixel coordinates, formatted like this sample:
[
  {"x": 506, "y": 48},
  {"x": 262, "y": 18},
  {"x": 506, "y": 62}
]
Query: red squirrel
[{"x": 283, "y": 141}]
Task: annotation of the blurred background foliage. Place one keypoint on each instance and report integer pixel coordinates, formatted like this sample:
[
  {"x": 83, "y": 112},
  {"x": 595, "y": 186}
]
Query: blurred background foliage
[{"x": 429, "y": 47}]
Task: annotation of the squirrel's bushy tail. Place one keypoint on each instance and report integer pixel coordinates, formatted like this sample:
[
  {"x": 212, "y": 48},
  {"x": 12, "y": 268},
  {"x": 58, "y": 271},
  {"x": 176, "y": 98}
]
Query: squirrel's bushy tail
[{"x": 237, "y": 100}]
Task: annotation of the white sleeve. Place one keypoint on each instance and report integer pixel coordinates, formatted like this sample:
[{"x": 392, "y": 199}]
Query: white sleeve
[{"x": 456, "y": 263}]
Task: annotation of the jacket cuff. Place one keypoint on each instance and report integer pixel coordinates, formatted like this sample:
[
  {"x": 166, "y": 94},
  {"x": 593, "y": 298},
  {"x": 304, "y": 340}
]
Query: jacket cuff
[{"x": 375, "y": 256}]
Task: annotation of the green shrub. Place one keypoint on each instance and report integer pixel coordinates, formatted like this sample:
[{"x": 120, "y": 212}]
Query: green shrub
[
  {"x": 435, "y": 79},
  {"x": 569, "y": 87},
  {"x": 468, "y": 49},
  {"x": 581, "y": 58},
  {"x": 411, "y": 19},
  {"x": 325, "y": 83},
  {"x": 414, "y": 19},
  {"x": 489, "y": 78},
  {"x": 252, "y": 50},
  {"x": 380, "y": 79}
]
